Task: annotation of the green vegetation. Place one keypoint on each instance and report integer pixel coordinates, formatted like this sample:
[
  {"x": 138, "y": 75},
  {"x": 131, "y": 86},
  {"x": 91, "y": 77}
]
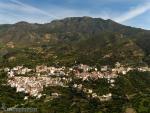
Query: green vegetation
[
  {"x": 8, "y": 95},
  {"x": 73, "y": 41},
  {"x": 130, "y": 91}
]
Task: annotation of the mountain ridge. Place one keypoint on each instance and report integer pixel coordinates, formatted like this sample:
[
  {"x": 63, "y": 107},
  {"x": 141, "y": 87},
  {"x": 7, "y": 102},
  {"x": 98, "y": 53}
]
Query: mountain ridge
[{"x": 78, "y": 25}]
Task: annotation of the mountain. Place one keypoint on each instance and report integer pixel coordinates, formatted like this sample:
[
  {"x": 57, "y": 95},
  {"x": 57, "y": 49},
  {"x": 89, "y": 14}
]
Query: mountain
[
  {"x": 105, "y": 39},
  {"x": 79, "y": 26}
]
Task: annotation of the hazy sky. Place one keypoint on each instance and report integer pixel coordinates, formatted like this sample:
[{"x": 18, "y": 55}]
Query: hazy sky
[{"x": 129, "y": 12}]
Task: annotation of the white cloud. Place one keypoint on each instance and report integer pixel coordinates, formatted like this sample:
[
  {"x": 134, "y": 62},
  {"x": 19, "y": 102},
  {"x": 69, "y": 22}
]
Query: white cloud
[
  {"x": 55, "y": 12},
  {"x": 25, "y": 8},
  {"x": 134, "y": 12},
  {"x": 14, "y": 11},
  {"x": 26, "y": 12}
]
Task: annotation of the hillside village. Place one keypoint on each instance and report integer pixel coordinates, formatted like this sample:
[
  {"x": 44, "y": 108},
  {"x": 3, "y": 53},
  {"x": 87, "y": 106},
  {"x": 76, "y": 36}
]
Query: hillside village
[
  {"x": 33, "y": 81},
  {"x": 75, "y": 65}
]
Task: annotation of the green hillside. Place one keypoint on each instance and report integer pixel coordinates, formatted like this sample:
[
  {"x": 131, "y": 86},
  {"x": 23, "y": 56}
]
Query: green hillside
[{"x": 76, "y": 36}]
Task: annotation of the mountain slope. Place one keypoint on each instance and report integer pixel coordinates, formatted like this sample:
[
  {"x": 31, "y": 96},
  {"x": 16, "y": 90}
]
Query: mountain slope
[{"x": 84, "y": 39}]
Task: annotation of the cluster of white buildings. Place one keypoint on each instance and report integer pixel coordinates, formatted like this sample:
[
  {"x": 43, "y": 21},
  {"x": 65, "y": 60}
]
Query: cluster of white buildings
[
  {"x": 105, "y": 72},
  {"x": 143, "y": 69},
  {"x": 34, "y": 85},
  {"x": 91, "y": 94},
  {"x": 49, "y": 71},
  {"x": 18, "y": 70},
  {"x": 52, "y": 76},
  {"x": 41, "y": 70}
]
